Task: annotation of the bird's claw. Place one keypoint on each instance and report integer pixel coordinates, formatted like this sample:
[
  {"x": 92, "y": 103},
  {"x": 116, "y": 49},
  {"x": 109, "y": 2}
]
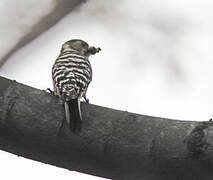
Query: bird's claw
[
  {"x": 48, "y": 90},
  {"x": 86, "y": 100}
]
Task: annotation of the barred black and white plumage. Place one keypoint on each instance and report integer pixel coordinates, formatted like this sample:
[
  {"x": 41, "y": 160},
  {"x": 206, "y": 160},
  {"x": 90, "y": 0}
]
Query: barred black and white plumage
[{"x": 72, "y": 74}]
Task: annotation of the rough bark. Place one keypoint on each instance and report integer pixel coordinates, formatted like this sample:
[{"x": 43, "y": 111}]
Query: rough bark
[{"x": 112, "y": 144}]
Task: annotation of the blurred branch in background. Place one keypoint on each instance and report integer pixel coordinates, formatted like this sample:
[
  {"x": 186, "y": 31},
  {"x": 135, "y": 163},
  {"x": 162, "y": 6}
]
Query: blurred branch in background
[
  {"x": 21, "y": 24},
  {"x": 112, "y": 144}
]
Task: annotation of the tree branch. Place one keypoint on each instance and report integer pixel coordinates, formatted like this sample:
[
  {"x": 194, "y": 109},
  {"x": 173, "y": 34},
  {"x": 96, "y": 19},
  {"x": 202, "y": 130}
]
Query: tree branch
[
  {"x": 112, "y": 144},
  {"x": 61, "y": 8}
]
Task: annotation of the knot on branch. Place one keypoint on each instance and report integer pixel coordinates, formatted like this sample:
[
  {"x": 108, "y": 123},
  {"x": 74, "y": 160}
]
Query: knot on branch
[{"x": 197, "y": 140}]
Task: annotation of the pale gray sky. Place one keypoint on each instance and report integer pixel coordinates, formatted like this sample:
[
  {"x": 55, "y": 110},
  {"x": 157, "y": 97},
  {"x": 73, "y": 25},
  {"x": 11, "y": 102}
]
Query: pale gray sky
[{"x": 156, "y": 59}]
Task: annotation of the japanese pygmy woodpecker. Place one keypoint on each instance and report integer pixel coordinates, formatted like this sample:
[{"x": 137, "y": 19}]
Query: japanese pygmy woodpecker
[{"x": 72, "y": 74}]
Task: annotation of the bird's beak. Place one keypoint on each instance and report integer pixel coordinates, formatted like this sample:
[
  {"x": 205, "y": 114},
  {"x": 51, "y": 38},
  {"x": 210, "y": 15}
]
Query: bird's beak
[{"x": 98, "y": 49}]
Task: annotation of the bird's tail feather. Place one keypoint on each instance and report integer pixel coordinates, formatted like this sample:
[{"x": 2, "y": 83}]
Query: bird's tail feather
[{"x": 73, "y": 114}]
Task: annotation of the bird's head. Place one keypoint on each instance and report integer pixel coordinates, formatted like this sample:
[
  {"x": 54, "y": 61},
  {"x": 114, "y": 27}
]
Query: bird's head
[{"x": 80, "y": 47}]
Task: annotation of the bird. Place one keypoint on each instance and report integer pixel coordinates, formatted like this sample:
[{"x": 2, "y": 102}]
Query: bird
[{"x": 71, "y": 75}]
